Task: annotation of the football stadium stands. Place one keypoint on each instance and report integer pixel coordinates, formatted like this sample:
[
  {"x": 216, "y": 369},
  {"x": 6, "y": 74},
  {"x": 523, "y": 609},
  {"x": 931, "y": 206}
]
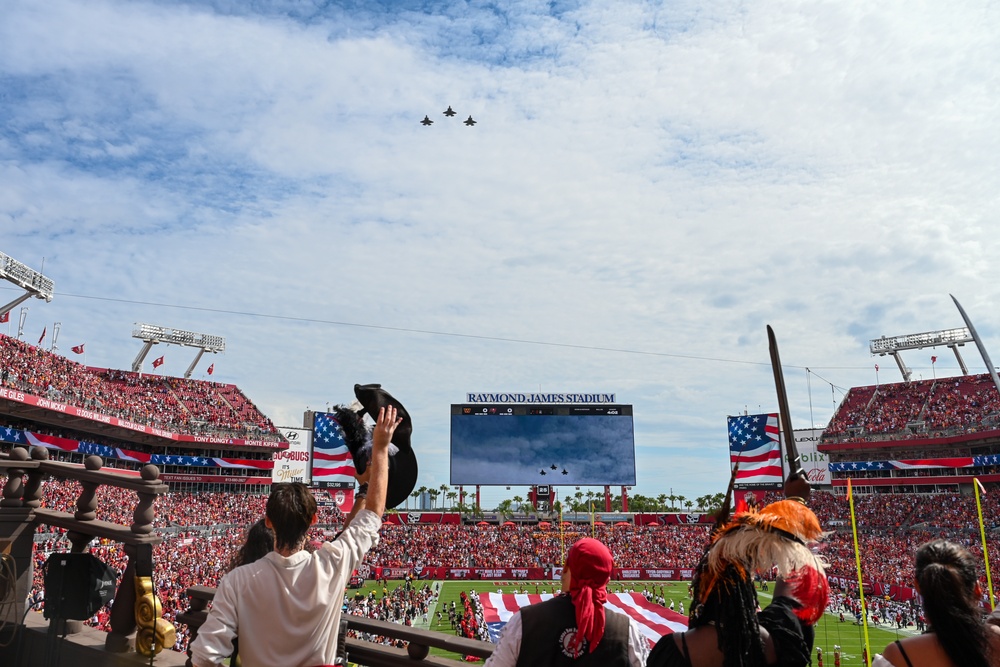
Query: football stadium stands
[
  {"x": 926, "y": 436},
  {"x": 922, "y": 436}
]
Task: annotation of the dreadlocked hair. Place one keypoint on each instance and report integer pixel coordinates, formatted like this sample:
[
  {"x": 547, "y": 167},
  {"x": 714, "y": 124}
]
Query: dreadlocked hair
[
  {"x": 946, "y": 574},
  {"x": 730, "y": 602}
]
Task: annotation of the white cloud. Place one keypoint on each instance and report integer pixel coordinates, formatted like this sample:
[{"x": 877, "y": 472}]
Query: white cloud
[{"x": 665, "y": 179}]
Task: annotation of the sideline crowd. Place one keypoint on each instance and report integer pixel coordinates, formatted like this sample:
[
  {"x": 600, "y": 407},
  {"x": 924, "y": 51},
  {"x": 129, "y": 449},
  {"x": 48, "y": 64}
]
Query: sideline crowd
[{"x": 202, "y": 531}]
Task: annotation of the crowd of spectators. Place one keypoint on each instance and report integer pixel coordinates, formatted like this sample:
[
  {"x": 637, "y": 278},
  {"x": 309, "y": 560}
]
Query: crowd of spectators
[
  {"x": 201, "y": 532},
  {"x": 192, "y": 407},
  {"x": 920, "y": 408}
]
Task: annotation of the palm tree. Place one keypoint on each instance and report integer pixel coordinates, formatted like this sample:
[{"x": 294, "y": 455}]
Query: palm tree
[
  {"x": 681, "y": 500},
  {"x": 688, "y": 504},
  {"x": 414, "y": 495},
  {"x": 453, "y": 496},
  {"x": 433, "y": 493},
  {"x": 444, "y": 493},
  {"x": 661, "y": 502},
  {"x": 518, "y": 500},
  {"x": 422, "y": 490}
]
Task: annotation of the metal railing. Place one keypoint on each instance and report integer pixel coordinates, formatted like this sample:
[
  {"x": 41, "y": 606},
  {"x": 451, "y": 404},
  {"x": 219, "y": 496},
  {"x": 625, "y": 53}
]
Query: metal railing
[{"x": 418, "y": 641}]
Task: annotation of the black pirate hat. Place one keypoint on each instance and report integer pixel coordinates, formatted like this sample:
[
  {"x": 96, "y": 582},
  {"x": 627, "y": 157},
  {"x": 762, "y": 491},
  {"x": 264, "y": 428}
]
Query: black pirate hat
[{"x": 357, "y": 435}]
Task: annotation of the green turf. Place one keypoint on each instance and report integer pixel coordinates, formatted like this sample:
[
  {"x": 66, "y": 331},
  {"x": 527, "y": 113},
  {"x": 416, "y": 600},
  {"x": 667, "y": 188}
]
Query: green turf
[{"x": 829, "y": 631}]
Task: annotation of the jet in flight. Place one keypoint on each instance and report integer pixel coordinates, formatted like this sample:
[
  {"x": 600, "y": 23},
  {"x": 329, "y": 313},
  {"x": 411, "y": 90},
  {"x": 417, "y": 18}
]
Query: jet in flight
[
  {"x": 542, "y": 472},
  {"x": 426, "y": 121},
  {"x": 554, "y": 466},
  {"x": 565, "y": 472},
  {"x": 469, "y": 121},
  {"x": 450, "y": 112}
]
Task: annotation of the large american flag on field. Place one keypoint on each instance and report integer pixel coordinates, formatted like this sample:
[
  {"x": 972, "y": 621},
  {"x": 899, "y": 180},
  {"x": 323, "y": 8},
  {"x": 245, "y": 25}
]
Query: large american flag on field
[
  {"x": 753, "y": 444},
  {"x": 331, "y": 461},
  {"x": 654, "y": 620}
]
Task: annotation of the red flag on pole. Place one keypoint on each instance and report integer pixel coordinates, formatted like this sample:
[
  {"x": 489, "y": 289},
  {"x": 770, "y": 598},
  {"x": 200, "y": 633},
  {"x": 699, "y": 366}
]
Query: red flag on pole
[
  {"x": 42, "y": 337},
  {"x": 211, "y": 369},
  {"x": 5, "y": 317},
  {"x": 157, "y": 362},
  {"x": 78, "y": 349},
  {"x": 933, "y": 360}
]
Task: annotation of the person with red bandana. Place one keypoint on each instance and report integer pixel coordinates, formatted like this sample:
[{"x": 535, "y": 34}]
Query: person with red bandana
[{"x": 573, "y": 628}]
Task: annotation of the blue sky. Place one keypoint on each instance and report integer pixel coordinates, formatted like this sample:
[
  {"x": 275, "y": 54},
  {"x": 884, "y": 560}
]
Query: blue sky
[{"x": 648, "y": 186}]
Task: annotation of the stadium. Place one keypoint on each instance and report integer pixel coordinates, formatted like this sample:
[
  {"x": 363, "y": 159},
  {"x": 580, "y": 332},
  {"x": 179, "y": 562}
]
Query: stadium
[{"x": 912, "y": 449}]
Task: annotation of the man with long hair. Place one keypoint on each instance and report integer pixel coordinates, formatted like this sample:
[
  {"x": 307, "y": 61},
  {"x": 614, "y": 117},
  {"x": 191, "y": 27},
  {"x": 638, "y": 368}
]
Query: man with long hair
[{"x": 286, "y": 607}]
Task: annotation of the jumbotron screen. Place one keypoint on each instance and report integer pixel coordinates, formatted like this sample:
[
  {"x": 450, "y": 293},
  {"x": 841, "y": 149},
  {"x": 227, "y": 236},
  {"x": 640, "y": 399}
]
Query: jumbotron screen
[{"x": 497, "y": 445}]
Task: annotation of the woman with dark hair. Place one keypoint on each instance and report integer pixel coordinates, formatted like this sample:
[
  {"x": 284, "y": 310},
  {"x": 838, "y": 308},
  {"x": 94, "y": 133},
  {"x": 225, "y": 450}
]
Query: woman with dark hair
[
  {"x": 258, "y": 542},
  {"x": 956, "y": 635}
]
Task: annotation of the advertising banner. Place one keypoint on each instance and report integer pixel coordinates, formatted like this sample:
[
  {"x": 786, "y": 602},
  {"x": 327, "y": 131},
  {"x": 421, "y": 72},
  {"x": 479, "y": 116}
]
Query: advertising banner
[
  {"x": 214, "y": 479},
  {"x": 402, "y": 518},
  {"x": 815, "y": 463},
  {"x": 295, "y": 463},
  {"x": 674, "y": 519},
  {"x": 529, "y": 573}
]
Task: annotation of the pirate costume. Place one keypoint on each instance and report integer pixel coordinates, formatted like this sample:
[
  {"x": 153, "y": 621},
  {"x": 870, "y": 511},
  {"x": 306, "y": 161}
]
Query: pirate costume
[{"x": 724, "y": 595}]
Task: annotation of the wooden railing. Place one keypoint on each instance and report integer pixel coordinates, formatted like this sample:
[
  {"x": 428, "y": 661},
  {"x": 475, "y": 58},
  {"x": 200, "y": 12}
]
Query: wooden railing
[
  {"x": 362, "y": 652},
  {"x": 21, "y": 511}
]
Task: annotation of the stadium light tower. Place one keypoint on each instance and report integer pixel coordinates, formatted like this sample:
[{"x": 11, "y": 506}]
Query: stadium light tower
[
  {"x": 32, "y": 282},
  {"x": 152, "y": 334},
  {"x": 951, "y": 338}
]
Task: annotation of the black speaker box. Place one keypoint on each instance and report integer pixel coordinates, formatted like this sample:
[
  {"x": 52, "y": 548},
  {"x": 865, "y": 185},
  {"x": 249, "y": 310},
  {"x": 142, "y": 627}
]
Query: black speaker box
[{"x": 76, "y": 586}]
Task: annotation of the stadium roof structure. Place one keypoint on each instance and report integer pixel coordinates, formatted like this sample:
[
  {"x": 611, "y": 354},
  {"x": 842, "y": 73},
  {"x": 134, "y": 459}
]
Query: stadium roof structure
[
  {"x": 32, "y": 282},
  {"x": 152, "y": 334},
  {"x": 951, "y": 338}
]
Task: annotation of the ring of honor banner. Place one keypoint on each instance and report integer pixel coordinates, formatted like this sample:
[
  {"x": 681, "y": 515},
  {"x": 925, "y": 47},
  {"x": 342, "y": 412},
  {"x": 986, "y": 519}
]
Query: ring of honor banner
[
  {"x": 754, "y": 445},
  {"x": 332, "y": 465},
  {"x": 295, "y": 463}
]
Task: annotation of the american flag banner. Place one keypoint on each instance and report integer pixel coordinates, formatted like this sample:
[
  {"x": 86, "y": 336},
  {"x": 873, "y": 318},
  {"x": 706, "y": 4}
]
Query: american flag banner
[
  {"x": 915, "y": 464},
  {"x": 331, "y": 460},
  {"x": 654, "y": 620},
  {"x": 754, "y": 445}
]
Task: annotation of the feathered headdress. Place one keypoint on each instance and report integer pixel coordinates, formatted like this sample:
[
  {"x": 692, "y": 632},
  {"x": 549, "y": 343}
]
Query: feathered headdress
[{"x": 778, "y": 536}]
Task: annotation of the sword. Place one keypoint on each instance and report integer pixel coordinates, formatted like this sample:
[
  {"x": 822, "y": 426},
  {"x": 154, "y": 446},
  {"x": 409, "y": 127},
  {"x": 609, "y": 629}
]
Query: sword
[{"x": 793, "y": 487}]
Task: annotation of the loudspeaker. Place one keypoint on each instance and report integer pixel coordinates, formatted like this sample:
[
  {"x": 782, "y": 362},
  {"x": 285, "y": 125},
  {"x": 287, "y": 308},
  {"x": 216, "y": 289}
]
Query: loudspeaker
[{"x": 76, "y": 586}]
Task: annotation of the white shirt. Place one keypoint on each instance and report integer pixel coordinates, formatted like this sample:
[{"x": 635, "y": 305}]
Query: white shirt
[
  {"x": 506, "y": 652},
  {"x": 285, "y": 611}
]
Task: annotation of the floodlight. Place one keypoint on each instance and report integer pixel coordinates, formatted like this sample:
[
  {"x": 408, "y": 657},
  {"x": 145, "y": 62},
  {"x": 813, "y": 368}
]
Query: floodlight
[
  {"x": 152, "y": 334},
  {"x": 951, "y": 338},
  {"x": 32, "y": 282}
]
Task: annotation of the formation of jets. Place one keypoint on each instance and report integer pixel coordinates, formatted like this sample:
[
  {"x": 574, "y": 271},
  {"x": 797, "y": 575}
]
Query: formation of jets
[
  {"x": 552, "y": 467},
  {"x": 449, "y": 112}
]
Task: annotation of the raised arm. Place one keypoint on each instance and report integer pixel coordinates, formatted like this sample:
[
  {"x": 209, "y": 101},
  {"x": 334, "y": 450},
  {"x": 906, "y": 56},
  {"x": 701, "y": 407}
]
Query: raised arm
[{"x": 385, "y": 426}]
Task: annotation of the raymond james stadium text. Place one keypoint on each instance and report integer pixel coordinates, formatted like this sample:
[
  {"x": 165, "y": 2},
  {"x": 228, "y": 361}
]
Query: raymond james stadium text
[{"x": 540, "y": 398}]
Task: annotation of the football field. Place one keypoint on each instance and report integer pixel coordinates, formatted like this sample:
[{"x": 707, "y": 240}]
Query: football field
[{"x": 830, "y": 631}]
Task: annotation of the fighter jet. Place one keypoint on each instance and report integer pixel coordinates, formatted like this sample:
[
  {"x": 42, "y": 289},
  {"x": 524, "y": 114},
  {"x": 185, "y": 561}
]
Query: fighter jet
[
  {"x": 565, "y": 472},
  {"x": 542, "y": 472},
  {"x": 426, "y": 121},
  {"x": 450, "y": 112},
  {"x": 469, "y": 121},
  {"x": 554, "y": 467}
]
